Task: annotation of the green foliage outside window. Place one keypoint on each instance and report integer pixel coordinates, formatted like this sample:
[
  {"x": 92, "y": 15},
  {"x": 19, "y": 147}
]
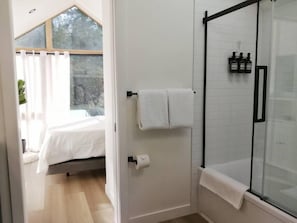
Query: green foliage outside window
[
  {"x": 22, "y": 94},
  {"x": 74, "y": 30}
]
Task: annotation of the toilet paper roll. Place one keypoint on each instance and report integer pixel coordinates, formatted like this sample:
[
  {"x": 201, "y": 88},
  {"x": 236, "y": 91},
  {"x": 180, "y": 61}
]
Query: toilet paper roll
[{"x": 143, "y": 161}]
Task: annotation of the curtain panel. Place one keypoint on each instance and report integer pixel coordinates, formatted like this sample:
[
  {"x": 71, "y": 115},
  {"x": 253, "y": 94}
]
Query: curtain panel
[{"x": 47, "y": 82}]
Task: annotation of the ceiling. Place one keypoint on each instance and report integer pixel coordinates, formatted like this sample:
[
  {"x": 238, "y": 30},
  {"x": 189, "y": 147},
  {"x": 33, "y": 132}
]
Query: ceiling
[{"x": 45, "y": 9}]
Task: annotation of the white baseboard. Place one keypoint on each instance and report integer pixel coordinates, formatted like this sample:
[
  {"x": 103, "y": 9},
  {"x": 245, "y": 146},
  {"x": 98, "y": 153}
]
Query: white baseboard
[
  {"x": 206, "y": 218},
  {"x": 162, "y": 215},
  {"x": 110, "y": 195}
]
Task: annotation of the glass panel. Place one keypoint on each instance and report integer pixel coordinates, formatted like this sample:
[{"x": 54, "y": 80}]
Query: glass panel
[
  {"x": 279, "y": 172},
  {"x": 259, "y": 139},
  {"x": 87, "y": 91},
  {"x": 74, "y": 30},
  {"x": 229, "y": 102},
  {"x": 32, "y": 39}
]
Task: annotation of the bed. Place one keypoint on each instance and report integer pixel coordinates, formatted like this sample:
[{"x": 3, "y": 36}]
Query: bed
[{"x": 73, "y": 147}]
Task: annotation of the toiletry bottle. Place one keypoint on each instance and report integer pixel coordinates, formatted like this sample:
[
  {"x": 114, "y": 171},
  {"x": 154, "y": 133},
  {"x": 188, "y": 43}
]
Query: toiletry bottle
[
  {"x": 241, "y": 63},
  {"x": 248, "y": 64},
  {"x": 233, "y": 65}
]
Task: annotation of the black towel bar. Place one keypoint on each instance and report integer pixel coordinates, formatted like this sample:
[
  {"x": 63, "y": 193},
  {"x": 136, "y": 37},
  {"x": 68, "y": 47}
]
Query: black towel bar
[{"x": 131, "y": 93}]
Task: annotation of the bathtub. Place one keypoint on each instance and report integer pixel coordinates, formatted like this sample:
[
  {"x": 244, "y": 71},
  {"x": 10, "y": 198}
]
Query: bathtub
[{"x": 253, "y": 210}]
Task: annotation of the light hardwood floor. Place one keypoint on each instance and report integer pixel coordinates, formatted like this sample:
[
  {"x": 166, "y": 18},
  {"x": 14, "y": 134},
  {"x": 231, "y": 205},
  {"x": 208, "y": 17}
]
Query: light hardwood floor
[{"x": 79, "y": 198}]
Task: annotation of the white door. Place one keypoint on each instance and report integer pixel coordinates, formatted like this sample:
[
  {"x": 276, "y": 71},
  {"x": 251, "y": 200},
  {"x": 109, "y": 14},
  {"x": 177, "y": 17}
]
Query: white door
[{"x": 11, "y": 186}]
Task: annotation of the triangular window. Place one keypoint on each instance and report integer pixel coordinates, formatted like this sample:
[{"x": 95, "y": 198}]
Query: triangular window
[
  {"x": 73, "y": 29},
  {"x": 32, "y": 39}
]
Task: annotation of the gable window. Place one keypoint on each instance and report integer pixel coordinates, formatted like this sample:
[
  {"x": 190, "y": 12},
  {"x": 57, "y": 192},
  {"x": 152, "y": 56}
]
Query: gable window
[
  {"x": 32, "y": 39},
  {"x": 80, "y": 35},
  {"x": 74, "y": 30}
]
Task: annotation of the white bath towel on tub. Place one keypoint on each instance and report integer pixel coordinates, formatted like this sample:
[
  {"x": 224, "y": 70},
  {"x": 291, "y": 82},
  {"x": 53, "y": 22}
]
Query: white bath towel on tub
[{"x": 228, "y": 189}]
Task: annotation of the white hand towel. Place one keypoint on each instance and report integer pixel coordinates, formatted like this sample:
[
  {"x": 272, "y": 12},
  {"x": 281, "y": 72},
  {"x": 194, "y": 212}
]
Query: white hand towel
[
  {"x": 152, "y": 108},
  {"x": 228, "y": 189},
  {"x": 181, "y": 108}
]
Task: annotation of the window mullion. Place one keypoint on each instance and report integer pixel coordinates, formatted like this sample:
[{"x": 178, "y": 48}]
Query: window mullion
[{"x": 49, "y": 34}]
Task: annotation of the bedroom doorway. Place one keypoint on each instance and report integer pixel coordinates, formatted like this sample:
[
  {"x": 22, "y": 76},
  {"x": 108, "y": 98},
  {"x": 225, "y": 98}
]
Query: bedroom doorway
[{"x": 67, "y": 111}]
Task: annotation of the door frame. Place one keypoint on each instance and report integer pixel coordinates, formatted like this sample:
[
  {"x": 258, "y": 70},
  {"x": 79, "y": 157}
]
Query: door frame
[
  {"x": 14, "y": 202},
  {"x": 120, "y": 164}
]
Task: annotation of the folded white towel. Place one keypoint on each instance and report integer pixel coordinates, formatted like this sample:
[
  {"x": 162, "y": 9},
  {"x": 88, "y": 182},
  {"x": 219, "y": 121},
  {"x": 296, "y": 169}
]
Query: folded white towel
[
  {"x": 228, "y": 189},
  {"x": 181, "y": 108},
  {"x": 152, "y": 108}
]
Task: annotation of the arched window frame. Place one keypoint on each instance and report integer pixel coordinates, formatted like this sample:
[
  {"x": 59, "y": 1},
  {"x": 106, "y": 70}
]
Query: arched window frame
[{"x": 49, "y": 39}]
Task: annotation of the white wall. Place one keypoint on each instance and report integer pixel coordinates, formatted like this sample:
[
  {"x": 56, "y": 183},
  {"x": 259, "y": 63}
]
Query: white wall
[
  {"x": 229, "y": 103},
  {"x": 154, "y": 46},
  {"x": 92, "y": 7}
]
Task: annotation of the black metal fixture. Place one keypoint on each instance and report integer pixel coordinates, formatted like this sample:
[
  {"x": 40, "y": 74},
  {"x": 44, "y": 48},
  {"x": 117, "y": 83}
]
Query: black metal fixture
[
  {"x": 255, "y": 83},
  {"x": 131, "y": 93},
  {"x": 132, "y": 160},
  {"x": 229, "y": 10},
  {"x": 257, "y": 88}
]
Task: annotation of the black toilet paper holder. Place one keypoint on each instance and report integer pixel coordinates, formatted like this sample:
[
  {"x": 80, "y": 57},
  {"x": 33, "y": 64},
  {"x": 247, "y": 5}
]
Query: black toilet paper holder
[{"x": 132, "y": 160}]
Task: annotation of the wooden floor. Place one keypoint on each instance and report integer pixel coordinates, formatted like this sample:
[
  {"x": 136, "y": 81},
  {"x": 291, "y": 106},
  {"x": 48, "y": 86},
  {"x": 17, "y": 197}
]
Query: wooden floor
[
  {"x": 79, "y": 198},
  {"x": 195, "y": 218}
]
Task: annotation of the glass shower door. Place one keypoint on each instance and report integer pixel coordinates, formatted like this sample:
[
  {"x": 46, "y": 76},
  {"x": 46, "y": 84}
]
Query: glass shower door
[
  {"x": 275, "y": 145},
  {"x": 262, "y": 79}
]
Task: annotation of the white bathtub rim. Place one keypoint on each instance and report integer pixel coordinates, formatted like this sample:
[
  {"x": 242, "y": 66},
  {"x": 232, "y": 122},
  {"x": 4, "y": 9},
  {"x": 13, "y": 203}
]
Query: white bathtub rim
[
  {"x": 281, "y": 215},
  {"x": 266, "y": 207}
]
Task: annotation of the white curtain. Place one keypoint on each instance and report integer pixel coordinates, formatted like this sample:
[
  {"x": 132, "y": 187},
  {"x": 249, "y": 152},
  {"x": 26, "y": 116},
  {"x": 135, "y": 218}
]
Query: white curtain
[{"x": 47, "y": 81}]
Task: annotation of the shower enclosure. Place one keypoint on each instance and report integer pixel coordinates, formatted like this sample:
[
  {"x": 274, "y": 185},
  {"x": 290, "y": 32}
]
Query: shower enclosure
[{"x": 250, "y": 120}]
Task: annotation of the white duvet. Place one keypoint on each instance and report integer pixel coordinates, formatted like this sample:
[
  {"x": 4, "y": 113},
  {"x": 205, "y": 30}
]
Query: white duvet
[{"x": 77, "y": 140}]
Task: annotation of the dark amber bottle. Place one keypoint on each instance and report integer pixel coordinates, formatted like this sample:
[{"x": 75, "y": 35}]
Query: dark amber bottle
[
  {"x": 248, "y": 64},
  {"x": 233, "y": 65},
  {"x": 241, "y": 63}
]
